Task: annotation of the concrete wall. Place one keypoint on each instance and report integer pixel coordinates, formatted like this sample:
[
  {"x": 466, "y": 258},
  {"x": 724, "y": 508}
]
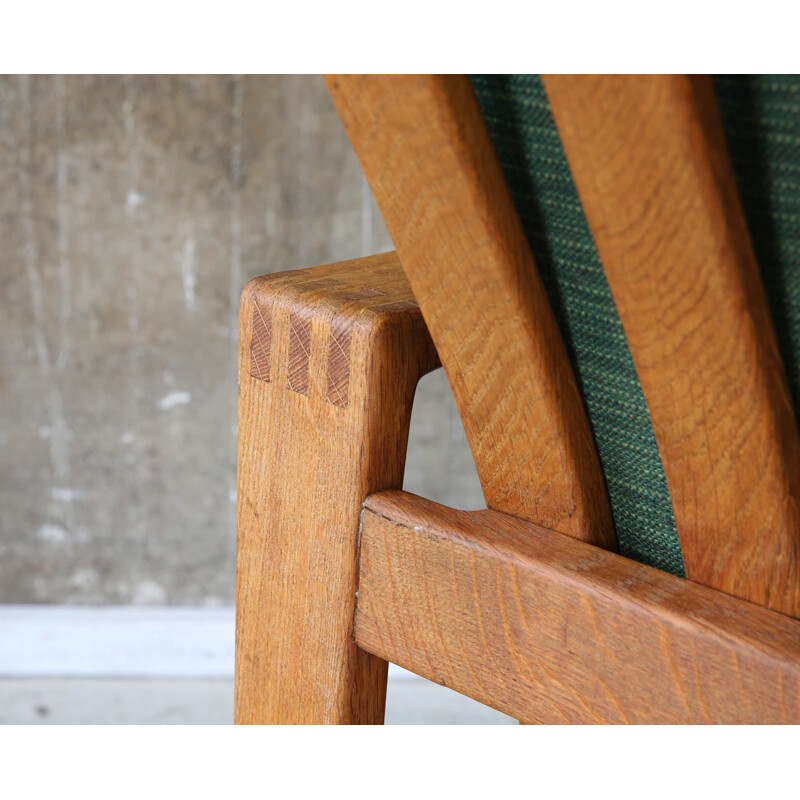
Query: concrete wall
[{"x": 132, "y": 212}]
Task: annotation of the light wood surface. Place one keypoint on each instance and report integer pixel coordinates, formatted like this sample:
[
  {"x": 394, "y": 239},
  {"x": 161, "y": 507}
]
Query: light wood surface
[
  {"x": 649, "y": 159},
  {"x": 532, "y": 621},
  {"x": 427, "y": 155},
  {"x": 329, "y": 361},
  {"x": 554, "y": 630}
]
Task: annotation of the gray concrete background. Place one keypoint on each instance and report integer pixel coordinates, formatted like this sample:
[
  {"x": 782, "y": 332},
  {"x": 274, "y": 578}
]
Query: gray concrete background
[{"x": 132, "y": 212}]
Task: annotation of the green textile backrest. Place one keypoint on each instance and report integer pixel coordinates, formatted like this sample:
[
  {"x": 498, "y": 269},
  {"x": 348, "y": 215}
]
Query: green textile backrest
[{"x": 761, "y": 116}]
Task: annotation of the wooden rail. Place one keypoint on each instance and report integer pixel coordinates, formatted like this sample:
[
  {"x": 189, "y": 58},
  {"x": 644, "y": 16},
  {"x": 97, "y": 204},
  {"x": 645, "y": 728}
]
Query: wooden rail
[{"x": 551, "y": 629}]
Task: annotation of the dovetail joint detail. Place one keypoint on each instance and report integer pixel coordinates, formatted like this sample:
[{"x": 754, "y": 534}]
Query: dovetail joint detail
[
  {"x": 339, "y": 361},
  {"x": 299, "y": 350},
  {"x": 338, "y": 355},
  {"x": 261, "y": 341}
]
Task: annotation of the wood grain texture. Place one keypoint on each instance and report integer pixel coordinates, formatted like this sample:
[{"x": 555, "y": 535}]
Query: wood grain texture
[
  {"x": 427, "y": 155},
  {"x": 553, "y": 630},
  {"x": 299, "y": 349},
  {"x": 650, "y": 162},
  {"x": 307, "y": 460}
]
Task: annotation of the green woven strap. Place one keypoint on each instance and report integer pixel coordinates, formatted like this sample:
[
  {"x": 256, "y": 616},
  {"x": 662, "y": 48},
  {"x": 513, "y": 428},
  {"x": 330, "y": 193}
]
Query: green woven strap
[
  {"x": 518, "y": 116},
  {"x": 761, "y": 115}
]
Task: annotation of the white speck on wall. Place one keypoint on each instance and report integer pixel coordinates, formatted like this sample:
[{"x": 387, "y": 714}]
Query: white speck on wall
[
  {"x": 84, "y": 578},
  {"x": 65, "y": 494},
  {"x": 232, "y": 495},
  {"x": 189, "y": 273},
  {"x": 52, "y": 533},
  {"x": 127, "y": 438},
  {"x": 134, "y": 200},
  {"x": 173, "y": 399},
  {"x": 149, "y": 593},
  {"x": 55, "y": 534}
]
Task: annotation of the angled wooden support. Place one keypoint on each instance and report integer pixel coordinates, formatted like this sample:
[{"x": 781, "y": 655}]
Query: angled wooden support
[
  {"x": 554, "y": 630},
  {"x": 329, "y": 361},
  {"x": 426, "y": 152},
  {"x": 650, "y": 162}
]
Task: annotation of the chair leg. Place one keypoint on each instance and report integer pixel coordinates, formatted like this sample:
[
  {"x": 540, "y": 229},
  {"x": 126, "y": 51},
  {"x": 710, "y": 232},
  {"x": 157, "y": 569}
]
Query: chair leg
[{"x": 329, "y": 361}]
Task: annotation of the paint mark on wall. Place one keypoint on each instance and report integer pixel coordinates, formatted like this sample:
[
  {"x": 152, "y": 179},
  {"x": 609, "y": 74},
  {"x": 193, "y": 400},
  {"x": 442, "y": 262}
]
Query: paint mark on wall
[
  {"x": 64, "y": 494},
  {"x": 59, "y": 432},
  {"x": 173, "y": 399},
  {"x": 133, "y": 201},
  {"x": 149, "y": 593},
  {"x": 52, "y": 533},
  {"x": 237, "y": 180},
  {"x": 62, "y": 211},
  {"x": 189, "y": 273}
]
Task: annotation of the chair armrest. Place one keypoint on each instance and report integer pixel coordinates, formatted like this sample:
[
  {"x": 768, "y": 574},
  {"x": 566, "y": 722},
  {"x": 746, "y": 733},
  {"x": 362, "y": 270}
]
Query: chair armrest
[{"x": 328, "y": 365}]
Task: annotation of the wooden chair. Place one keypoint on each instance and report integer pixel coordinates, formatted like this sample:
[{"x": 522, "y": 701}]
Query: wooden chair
[{"x": 575, "y": 252}]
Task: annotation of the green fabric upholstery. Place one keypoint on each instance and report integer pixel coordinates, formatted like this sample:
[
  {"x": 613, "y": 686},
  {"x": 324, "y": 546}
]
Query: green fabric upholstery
[
  {"x": 525, "y": 138},
  {"x": 761, "y": 115}
]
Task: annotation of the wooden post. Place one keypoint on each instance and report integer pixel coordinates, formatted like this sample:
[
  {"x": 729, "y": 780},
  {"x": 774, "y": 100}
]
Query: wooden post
[{"x": 329, "y": 361}]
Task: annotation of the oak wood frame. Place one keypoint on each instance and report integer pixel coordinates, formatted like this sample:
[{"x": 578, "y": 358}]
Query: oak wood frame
[
  {"x": 329, "y": 360},
  {"x": 649, "y": 158},
  {"x": 554, "y": 630},
  {"x": 495, "y": 604},
  {"x": 532, "y": 622},
  {"x": 425, "y": 150}
]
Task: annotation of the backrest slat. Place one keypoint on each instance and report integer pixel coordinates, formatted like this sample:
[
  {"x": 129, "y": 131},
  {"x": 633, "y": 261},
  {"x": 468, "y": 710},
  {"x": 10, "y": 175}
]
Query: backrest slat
[
  {"x": 426, "y": 152},
  {"x": 650, "y": 163},
  {"x": 529, "y": 150}
]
